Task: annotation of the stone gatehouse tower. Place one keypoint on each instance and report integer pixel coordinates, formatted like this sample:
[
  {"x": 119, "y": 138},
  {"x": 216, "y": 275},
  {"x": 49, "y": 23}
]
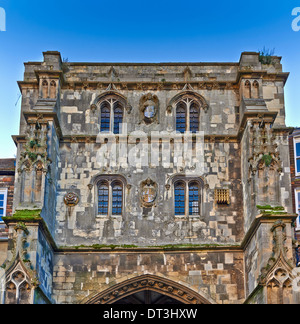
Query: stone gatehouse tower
[{"x": 152, "y": 183}]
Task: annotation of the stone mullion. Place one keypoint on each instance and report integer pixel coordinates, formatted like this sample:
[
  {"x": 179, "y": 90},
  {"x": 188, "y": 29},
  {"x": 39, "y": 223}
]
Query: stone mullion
[
  {"x": 188, "y": 122},
  {"x": 187, "y": 201},
  {"x": 110, "y": 197},
  {"x": 112, "y": 117}
]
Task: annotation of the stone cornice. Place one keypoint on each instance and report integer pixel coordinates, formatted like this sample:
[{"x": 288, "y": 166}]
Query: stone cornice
[
  {"x": 184, "y": 248},
  {"x": 265, "y": 218},
  {"x": 32, "y": 221}
]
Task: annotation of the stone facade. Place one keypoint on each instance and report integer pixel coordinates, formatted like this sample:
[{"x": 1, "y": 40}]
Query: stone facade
[
  {"x": 7, "y": 181},
  {"x": 295, "y": 177},
  {"x": 111, "y": 201}
]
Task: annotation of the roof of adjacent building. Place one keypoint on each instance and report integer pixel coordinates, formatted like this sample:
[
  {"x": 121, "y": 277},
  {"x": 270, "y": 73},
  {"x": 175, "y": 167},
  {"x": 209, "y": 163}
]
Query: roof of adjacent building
[{"x": 7, "y": 166}]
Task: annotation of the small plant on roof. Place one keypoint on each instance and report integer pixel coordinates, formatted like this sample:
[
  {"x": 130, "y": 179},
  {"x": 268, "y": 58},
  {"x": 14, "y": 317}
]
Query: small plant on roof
[{"x": 265, "y": 56}]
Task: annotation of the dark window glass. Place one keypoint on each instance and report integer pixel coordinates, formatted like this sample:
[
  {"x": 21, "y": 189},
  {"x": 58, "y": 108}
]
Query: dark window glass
[
  {"x": 2, "y": 203},
  {"x": 180, "y": 119},
  {"x": 117, "y": 199},
  {"x": 194, "y": 119},
  {"x": 298, "y": 165},
  {"x": 298, "y": 157},
  {"x": 105, "y": 119},
  {"x": 118, "y": 119},
  {"x": 103, "y": 200},
  {"x": 298, "y": 150},
  {"x": 194, "y": 199},
  {"x": 180, "y": 199}
]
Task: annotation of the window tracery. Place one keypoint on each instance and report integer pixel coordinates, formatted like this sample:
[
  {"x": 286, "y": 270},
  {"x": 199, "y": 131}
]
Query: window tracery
[
  {"x": 187, "y": 197},
  {"x": 187, "y": 115},
  {"x": 111, "y": 114},
  {"x": 110, "y": 196}
]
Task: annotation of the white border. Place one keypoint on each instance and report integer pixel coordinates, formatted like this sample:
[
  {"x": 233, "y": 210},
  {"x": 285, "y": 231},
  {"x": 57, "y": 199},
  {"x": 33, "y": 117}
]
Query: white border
[{"x": 4, "y": 191}]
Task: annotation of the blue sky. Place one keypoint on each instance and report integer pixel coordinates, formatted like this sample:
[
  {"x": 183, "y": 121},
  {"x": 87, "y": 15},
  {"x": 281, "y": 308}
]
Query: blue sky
[{"x": 139, "y": 31}]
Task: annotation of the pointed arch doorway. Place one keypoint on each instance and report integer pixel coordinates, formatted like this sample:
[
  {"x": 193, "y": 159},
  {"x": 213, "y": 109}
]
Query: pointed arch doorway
[
  {"x": 148, "y": 289},
  {"x": 148, "y": 297}
]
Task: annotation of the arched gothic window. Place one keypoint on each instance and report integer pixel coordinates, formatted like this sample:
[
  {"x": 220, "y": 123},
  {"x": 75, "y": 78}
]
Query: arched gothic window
[
  {"x": 179, "y": 198},
  {"x": 194, "y": 198},
  {"x": 194, "y": 118},
  {"x": 117, "y": 198},
  {"x": 181, "y": 118},
  {"x": 110, "y": 197},
  {"x": 112, "y": 115},
  {"x": 105, "y": 118},
  {"x": 187, "y": 200},
  {"x": 118, "y": 118},
  {"x": 103, "y": 195},
  {"x": 187, "y": 115}
]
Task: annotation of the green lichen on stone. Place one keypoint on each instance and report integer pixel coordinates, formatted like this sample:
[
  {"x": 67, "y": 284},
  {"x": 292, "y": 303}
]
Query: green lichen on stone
[
  {"x": 267, "y": 158},
  {"x": 172, "y": 247},
  {"x": 269, "y": 210},
  {"x": 28, "y": 213},
  {"x": 25, "y": 214},
  {"x": 101, "y": 246}
]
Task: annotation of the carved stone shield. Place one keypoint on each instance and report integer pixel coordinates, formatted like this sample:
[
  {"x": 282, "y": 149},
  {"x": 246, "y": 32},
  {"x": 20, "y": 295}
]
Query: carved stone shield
[
  {"x": 149, "y": 193},
  {"x": 149, "y": 112}
]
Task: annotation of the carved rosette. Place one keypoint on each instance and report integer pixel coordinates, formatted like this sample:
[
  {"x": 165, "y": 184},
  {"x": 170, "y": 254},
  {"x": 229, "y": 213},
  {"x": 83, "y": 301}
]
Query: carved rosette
[{"x": 71, "y": 199}]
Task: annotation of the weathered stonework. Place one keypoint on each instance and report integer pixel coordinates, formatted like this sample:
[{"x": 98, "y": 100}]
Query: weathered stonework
[
  {"x": 7, "y": 182},
  {"x": 100, "y": 229}
]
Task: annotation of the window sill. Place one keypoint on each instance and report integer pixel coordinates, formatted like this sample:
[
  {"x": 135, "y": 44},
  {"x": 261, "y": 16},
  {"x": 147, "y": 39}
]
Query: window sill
[
  {"x": 102, "y": 216},
  {"x": 179, "y": 217},
  {"x": 107, "y": 216},
  {"x": 117, "y": 216},
  {"x": 195, "y": 216}
]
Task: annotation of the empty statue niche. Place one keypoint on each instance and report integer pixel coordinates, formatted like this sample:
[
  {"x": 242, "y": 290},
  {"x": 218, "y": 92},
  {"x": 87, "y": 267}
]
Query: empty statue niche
[
  {"x": 48, "y": 89},
  {"x": 268, "y": 183},
  {"x": 32, "y": 182},
  {"x": 251, "y": 89},
  {"x": 52, "y": 89},
  {"x": 45, "y": 87}
]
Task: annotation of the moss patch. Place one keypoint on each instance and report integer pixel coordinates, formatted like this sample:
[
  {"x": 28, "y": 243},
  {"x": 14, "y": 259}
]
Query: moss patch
[
  {"x": 25, "y": 214},
  {"x": 269, "y": 210},
  {"x": 162, "y": 247}
]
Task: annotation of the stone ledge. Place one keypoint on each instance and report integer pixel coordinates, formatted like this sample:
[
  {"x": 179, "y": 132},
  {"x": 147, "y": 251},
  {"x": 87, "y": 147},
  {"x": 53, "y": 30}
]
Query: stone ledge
[
  {"x": 265, "y": 218},
  {"x": 31, "y": 218},
  {"x": 155, "y": 249},
  {"x": 96, "y": 248}
]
